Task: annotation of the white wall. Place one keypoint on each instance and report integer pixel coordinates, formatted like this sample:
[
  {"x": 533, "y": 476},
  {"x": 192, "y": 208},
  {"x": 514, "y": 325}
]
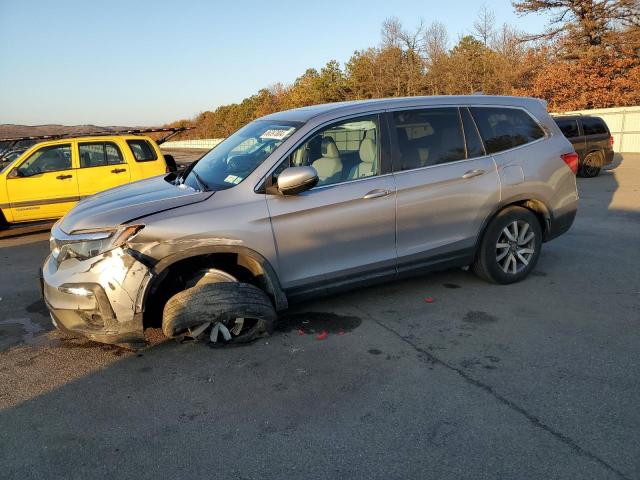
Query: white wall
[
  {"x": 202, "y": 144},
  {"x": 624, "y": 123}
]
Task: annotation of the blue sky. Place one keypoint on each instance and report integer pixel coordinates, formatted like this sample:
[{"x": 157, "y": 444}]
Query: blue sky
[{"x": 151, "y": 62}]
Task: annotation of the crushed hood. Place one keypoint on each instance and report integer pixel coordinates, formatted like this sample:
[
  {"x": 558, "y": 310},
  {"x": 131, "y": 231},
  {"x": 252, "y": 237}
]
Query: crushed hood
[{"x": 127, "y": 202}]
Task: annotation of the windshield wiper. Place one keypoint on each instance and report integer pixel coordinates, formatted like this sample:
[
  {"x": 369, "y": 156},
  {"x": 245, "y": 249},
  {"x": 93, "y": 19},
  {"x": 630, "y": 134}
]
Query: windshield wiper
[{"x": 203, "y": 186}]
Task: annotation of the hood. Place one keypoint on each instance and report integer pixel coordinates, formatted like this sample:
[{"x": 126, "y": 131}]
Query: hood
[{"x": 127, "y": 202}]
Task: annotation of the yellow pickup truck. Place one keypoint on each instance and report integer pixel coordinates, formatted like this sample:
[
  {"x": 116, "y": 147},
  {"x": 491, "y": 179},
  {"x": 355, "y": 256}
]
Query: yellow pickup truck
[{"x": 50, "y": 177}]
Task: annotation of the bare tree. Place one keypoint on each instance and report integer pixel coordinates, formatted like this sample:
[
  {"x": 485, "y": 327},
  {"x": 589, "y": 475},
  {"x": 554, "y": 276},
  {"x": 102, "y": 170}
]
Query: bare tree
[
  {"x": 391, "y": 32},
  {"x": 483, "y": 27},
  {"x": 394, "y": 34},
  {"x": 591, "y": 20},
  {"x": 435, "y": 42}
]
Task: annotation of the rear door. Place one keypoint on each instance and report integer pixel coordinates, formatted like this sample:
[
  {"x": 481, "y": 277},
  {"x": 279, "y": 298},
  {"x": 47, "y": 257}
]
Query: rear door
[
  {"x": 344, "y": 228},
  {"x": 102, "y": 166},
  {"x": 446, "y": 185},
  {"x": 44, "y": 185}
]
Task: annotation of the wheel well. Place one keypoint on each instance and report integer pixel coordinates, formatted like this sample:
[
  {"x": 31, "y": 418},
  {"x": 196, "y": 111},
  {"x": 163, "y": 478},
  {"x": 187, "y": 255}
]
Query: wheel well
[
  {"x": 174, "y": 278},
  {"x": 536, "y": 206},
  {"x": 541, "y": 212}
]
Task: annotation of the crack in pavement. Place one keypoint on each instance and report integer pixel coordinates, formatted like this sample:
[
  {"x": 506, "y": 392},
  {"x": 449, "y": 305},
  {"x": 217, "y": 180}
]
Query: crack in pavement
[{"x": 535, "y": 421}]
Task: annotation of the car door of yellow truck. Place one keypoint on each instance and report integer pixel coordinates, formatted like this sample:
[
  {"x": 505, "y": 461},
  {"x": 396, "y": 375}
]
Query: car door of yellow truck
[
  {"x": 102, "y": 166},
  {"x": 44, "y": 185}
]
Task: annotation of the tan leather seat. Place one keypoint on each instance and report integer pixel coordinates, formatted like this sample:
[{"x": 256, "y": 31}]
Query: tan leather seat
[
  {"x": 329, "y": 166},
  {"x": 368, "y": 155}
]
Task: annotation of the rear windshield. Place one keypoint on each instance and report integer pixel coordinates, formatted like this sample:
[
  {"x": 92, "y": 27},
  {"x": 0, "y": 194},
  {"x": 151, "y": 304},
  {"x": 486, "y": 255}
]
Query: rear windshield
[
  {"x": 568, "y": 126},
  {"x": 142, "y": 151},
  {"x": 593, "y": 126}
]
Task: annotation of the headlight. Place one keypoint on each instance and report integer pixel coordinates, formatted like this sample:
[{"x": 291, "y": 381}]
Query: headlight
[{"x": 89, "y": 244}]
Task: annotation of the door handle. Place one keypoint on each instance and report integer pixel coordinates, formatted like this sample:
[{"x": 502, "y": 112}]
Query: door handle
[
  {"x": 473, "y": 173},
  {"x": 377, "y": 193},
  {"x": 62, "y": 177},
  {"x": 118, "y": 170}
]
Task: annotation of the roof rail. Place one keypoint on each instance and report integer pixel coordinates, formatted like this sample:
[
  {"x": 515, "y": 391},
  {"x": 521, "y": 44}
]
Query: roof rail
[{"x": 135, "y": 131}]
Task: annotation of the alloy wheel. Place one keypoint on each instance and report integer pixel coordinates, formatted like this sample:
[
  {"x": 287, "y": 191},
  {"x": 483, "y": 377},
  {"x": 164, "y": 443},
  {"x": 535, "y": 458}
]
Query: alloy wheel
[{"x": 515, "y": 247}]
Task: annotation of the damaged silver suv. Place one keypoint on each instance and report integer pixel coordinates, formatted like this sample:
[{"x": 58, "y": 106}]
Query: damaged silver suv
[{"x": 309, "y": 201}]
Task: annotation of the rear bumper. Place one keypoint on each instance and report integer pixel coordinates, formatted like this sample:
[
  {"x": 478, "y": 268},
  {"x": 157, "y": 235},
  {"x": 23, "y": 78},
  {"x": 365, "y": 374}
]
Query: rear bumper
[
  {"x": 561, "y": 224},
  {"x": 608, "y": 156},
  {"x": 97, "y": 298}
]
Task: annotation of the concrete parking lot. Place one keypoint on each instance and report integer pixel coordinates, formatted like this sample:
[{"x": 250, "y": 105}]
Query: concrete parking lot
[{"x": 536, "y": 380}]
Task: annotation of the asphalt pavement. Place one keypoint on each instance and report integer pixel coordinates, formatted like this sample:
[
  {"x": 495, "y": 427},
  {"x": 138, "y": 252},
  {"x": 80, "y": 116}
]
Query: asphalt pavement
[{"x": 538, "y": 380}]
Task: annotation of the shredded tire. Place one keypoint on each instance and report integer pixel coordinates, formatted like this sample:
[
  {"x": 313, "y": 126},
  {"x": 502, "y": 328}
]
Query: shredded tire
[{"x": 220, "y": 302}]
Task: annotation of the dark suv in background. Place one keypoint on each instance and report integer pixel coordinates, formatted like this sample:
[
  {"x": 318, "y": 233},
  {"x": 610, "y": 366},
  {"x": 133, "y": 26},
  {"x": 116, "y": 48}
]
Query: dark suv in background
[{"x": 591, "y": 139}]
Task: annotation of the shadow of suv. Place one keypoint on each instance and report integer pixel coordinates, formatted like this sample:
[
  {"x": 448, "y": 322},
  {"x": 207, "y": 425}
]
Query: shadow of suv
[
  {"x": 592, "y": 140},
  {"x": 309, "y": 201}
]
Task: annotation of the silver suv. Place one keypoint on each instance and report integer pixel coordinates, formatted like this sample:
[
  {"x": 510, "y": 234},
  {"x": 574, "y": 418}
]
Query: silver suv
[{"x": 309, "y": 201}]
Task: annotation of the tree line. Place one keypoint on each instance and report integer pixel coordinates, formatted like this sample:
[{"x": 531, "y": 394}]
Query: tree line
[{"x": 587, "y": 57}]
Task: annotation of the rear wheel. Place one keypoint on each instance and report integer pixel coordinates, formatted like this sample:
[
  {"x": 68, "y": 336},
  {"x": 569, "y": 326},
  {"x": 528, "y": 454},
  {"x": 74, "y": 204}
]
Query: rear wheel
[
  {"x": 591, "y": 165},
  {"x": 510, "y": 247}
]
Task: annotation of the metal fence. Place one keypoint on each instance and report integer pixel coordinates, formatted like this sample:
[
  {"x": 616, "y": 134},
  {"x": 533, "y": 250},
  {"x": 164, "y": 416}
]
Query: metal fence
[{"x": 624, "y": 123}]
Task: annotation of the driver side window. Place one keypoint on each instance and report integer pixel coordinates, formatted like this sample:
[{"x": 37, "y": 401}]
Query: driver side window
[
  {"x": 344, "y": 151},
  {"x": 47, "y": 159}
]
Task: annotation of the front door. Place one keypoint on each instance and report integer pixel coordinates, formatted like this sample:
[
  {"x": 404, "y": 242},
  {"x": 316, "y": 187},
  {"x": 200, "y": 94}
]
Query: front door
[
  {"x": 102, "y": 166},
  {"x": 344, "y": 228},
  {"x": 446, "y": 186},
  {"x": 44, "y": 185}
]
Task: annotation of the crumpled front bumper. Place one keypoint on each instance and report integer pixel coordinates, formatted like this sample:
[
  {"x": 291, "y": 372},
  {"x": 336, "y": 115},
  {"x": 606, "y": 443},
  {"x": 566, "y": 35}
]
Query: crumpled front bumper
[{"x": 100, "y": 298}]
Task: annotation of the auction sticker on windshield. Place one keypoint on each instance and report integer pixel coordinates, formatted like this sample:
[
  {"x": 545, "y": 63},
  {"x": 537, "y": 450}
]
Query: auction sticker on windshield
[
  {"x": 276, "y": 133},
  {"x": 233, "y": 179}
]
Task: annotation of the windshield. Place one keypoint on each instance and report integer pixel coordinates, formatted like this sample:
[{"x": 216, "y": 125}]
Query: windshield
[{"x": 240, "y": 154}]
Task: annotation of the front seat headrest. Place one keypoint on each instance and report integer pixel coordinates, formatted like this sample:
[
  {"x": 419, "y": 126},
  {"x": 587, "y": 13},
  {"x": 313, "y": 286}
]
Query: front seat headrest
[
  {"x": 367, "y": 151},
  {"x": 329, "y": 148}
]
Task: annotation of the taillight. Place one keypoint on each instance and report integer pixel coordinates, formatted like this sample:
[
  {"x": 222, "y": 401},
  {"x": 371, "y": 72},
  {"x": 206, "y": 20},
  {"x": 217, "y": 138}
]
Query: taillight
[
  {"x": 571, "y": 159},
  {"x": 611, "y": 140}
]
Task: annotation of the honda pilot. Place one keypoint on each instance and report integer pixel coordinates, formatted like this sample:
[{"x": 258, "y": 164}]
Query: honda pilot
[{"x": 309, "y": 201}]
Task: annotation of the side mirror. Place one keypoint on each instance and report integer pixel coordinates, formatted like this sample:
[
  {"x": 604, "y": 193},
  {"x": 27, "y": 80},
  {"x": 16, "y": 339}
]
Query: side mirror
[
  {"x": 16, "y": 173},
  {"x": 294, "y": 180}
]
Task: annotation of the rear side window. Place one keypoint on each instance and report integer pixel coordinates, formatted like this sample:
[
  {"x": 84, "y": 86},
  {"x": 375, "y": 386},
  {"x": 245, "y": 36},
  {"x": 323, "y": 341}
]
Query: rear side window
[
  {"x": 505, "y": 128},
  {"x": 428, "y": 137},
  {"x": 99, "y": 154},
  {"x": 569, "y": 127},
  {"x": 593, "y": 126},
  {"x": 142, "y": 150}
]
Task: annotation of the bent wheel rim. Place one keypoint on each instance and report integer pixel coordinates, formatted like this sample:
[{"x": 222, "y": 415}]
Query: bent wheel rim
[{"x": 515, "y": 247}]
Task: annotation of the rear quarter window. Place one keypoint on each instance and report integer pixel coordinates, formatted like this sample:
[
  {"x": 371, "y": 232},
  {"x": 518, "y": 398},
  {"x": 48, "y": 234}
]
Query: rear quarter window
[
  {"x": 505, "y": 128},
  {"x": 593, "y": 126},
  {"x": 142, "y": 150}
]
